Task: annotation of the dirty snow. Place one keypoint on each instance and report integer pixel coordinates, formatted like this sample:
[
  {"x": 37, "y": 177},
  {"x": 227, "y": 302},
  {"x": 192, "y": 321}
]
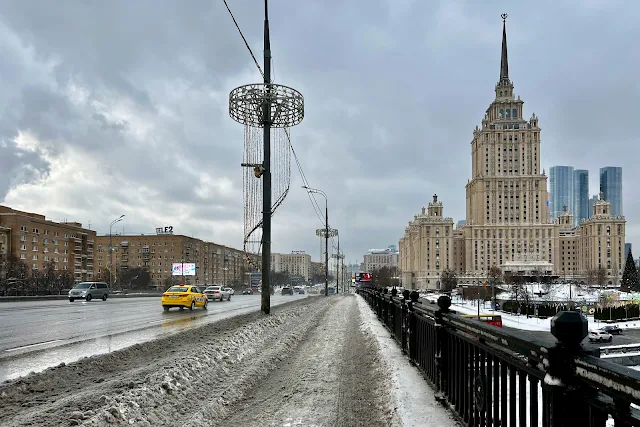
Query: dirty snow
[
  {"x": 415, "y": 399},
  {"x": 182, "y": 377},
  {"x": 307, "y": 364},
  {"x": 334, "y": 378}
]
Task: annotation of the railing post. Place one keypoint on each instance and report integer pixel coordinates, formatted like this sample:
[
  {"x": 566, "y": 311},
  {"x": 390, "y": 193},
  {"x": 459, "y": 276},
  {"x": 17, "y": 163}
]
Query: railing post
[
  {"x": 442, "y": 352},
  {"x": 405, "y": 320},
  {"x": 570, "y": 328},
  {"x": 412, "y": 327}
]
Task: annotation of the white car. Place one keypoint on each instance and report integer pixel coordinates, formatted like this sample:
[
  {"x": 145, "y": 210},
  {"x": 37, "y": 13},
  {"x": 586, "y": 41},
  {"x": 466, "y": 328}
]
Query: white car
[
  {"x": 217, "y": 293},
  {"x": 231, "y": 291},
  {"x": 600, "y": 336}
]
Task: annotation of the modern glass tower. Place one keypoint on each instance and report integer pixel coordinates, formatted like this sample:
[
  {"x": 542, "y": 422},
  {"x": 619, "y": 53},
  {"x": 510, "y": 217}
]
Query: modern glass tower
[
  {"x": 581, "y": 206},
  {"x": 560, "y": 189},
  {"x": 611, "y": 187}
]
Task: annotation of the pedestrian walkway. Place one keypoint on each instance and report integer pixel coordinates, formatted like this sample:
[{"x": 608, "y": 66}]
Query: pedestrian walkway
[
  {"x": 415, "y": 399},
  {"x": 346, "y": 372}
]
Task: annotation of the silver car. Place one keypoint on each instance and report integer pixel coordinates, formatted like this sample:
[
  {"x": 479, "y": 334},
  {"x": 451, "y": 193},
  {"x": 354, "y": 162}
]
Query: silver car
[{"x": 89, "y": 291}]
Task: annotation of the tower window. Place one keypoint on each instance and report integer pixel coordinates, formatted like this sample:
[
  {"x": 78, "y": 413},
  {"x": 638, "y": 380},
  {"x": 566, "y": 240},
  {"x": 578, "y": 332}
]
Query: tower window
[
  {"x": 514, "y": 114},
  {"x": 508, "y": 113},
  {"x": 501, "y": 114}
]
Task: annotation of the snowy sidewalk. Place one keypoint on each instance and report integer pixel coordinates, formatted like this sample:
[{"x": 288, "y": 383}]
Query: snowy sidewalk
[{"x": 415, "y": 400}]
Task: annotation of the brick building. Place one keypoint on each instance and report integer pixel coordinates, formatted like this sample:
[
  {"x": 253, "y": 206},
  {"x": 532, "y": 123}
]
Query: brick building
[
  {"x": 36, "y": 241},
  {"x": 215, "y": 264}
]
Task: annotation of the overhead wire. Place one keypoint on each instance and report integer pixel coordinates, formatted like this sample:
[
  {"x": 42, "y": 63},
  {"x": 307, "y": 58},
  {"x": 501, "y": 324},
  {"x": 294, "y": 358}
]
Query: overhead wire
[{"x": 244, "y": 39}]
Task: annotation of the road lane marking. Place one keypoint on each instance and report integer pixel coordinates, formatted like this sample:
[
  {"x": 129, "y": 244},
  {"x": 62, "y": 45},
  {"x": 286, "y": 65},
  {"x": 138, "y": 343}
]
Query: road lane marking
[{"x": 32, "y": 345}]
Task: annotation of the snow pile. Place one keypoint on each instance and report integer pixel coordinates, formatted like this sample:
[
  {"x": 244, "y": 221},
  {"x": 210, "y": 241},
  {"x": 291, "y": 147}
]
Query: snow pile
[{"x": 209, "y": 374}]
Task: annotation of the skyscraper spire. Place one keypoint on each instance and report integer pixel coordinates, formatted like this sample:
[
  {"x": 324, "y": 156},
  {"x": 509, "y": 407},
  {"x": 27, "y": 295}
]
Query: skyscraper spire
[{"x": 504, "y": 61}]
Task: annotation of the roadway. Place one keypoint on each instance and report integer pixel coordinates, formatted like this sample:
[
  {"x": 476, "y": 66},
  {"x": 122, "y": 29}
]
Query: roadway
[{"x": 36, "y": 335}]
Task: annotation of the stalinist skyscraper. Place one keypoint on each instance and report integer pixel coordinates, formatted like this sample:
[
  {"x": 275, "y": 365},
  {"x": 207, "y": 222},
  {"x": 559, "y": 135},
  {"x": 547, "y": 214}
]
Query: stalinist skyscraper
[
  {"x": 507, "y": 217},
  {"x": 507, "y": 211}
]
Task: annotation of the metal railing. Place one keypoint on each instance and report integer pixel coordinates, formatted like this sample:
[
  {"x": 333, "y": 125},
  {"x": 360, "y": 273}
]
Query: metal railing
[{"x": 490, "y": 376}]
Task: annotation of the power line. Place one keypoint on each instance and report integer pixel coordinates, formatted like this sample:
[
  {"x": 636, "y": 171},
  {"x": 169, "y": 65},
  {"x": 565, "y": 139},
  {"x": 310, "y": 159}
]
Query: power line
[
  {"x": 312, "y": 199},
  {"x": 243, "y": 38}
]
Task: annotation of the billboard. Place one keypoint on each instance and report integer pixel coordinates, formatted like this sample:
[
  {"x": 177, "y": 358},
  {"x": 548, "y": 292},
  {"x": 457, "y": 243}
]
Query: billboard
[
  {"x": 363, "y": 277},
  {"x": 183, "y": 269}
]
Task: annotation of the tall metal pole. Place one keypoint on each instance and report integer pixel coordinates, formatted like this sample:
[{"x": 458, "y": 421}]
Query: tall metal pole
[
  {"x": 110, "y": 257},
  {"x": 266, "y": 176},
  {"x": 111, "y": 248},
  {"x": 338, "y": 267},
  {"x": 326, "y": 247}
]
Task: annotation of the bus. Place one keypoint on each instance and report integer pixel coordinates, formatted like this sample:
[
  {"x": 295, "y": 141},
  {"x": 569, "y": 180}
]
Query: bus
[{"x": 491, "y": 319}]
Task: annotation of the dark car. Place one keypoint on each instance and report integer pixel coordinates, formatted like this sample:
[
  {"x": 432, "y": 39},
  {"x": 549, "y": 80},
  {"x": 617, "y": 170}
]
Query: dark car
[
  {"x": 247, "y": 292},
  {"x": 287, "y": 290},
  {"x": 613, "y": 330}
]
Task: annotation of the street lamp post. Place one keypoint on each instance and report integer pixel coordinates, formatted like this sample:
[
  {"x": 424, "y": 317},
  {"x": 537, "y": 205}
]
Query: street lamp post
[
  {"x": 326, "y": 236},
  {"x": 111, "y": 248},
  {"x": 338, "y": 266}
]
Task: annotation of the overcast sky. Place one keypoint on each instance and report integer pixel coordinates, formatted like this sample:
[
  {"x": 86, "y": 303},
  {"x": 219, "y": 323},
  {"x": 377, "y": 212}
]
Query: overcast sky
[{"x": 121, "y": 107}]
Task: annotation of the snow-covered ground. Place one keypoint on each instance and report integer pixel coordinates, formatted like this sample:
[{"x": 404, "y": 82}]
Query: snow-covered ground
[
  {"x": 415, "y": 400},
  {"x": 521, "y": 322},
  {"x": 317, "y": 362}
]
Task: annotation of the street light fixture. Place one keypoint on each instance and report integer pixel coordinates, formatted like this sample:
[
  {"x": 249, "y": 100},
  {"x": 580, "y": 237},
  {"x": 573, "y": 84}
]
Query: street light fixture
[
  {"x": 111, "y": 248},
  {"x": 326, "y": 235}
]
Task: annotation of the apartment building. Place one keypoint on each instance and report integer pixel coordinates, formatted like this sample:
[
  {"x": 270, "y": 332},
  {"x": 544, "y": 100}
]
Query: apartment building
[
  {"x": 297, "y": 263},
  {"x": 5, "y": 241},
  {"x": 37, "y": 241},
  {"x": 215, "y": 264},
  {"x": 375, "y": 259}
]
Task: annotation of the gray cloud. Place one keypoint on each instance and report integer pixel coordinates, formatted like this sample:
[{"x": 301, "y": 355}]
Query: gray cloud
[{"x": 393, "y": 90}]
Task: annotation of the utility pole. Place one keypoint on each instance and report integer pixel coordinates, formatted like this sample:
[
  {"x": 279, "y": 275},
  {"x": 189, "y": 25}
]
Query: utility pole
[
  {"x": 338, "y": 266},
  {"x": 266, "y": 176},
  {"x": 326, "y": 248},
  {"x": 252, "y": 105},
  {"x": 324, "y": 233},
  {"x": 111, "y": 275}
]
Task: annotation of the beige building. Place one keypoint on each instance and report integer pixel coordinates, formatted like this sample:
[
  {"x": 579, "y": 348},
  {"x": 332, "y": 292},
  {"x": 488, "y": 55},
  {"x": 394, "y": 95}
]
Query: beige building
[
  {"x": 37, "y": 241},
  {"x": 375, "y": 259},
  {"x": 215, "y": 264},
  {"x": 297, "y": 263},
  {"x": 507, "y": 219}
]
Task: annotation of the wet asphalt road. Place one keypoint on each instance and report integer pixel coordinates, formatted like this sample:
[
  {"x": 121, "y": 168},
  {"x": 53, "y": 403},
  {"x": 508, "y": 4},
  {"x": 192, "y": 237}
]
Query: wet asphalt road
[{"x": 39, "y": 334}]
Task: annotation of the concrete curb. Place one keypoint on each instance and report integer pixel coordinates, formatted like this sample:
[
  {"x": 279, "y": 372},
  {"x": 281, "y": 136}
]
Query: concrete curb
[{"x": 61, "y": 297}]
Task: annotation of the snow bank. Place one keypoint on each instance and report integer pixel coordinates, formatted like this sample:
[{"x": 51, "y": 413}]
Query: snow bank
[
  {"x": 208, "y": 374},
  {"x": 415, "y": 399}
]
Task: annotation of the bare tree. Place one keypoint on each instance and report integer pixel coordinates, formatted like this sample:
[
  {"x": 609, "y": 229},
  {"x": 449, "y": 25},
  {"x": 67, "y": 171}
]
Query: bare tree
[
  {"x": 600, "y": 275},
  {"x": 590, "y": 277},
  {"x": 394, "y": 275},
  {"x": 448, "y": 280},
  {"x": 495, "y": 277}
]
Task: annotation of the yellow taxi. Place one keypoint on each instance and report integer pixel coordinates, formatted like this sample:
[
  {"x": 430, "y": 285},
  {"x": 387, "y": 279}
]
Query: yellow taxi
[{"x": 184, "y": 296}]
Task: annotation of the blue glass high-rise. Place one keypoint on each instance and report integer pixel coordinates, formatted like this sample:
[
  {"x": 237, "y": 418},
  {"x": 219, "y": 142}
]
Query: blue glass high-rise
[
  {"x": 611, "y": 187},
  {"x": 560, "y": 189},
  {"x": 581, "y": 208}
]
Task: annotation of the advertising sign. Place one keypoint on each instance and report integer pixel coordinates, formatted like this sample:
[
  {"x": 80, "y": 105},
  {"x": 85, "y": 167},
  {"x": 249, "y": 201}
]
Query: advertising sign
[
  {"x": 363, "y": 277},
  {"x": 183, "y": 269}
]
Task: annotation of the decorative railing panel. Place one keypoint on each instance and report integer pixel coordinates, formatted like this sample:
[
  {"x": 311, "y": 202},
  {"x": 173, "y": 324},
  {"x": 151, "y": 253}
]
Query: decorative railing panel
[{"x": 491, "y": 376}]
